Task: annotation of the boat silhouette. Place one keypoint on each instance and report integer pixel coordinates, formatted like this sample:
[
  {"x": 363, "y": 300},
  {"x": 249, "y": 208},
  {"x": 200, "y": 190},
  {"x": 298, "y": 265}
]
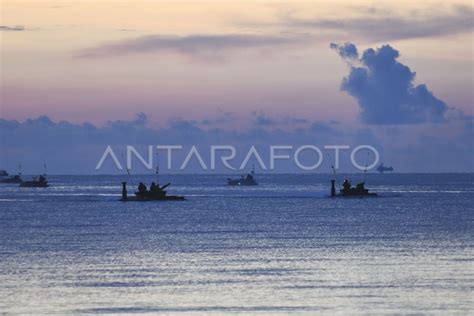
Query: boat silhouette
[
  {"x": 244, "y": 180},
  {"x": 382, "y": 168},
  {"x": 156, "y": 193},
  {"x": 37, "y": 182},
  {"x": 6, "y": 178},
  {"x": 349, "y": 191},
  {"x": 11, "y": 179}
]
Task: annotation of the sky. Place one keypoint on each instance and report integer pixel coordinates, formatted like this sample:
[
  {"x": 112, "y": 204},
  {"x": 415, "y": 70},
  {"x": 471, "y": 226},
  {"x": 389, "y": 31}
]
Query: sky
[{"x": 396, "y": 74}]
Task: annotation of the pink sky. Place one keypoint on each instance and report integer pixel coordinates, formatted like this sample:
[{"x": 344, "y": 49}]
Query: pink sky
[{"x": 107, "y": 60}]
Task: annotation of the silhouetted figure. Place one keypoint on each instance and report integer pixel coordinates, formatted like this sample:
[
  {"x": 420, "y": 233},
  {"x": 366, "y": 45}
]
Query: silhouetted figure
[
  {"x": 333, "y": 187},
  {"x": 124, "y": 191},
  {"x": 142, "y": 188},
  {"x": 153, "y": 187},
  {"x": 346, "y": 185}
]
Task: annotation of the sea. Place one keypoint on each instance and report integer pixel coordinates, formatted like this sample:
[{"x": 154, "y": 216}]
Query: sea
[{"x": 282, "y": 247}]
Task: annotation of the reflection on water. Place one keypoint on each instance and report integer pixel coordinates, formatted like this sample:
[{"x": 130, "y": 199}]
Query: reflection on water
[{"x": 280, "y": 247}]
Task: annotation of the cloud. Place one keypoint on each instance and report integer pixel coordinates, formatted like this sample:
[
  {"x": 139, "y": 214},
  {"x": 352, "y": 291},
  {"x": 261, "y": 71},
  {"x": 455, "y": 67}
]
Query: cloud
[
  {"x": 205, "y": 47},
  {"x": 262, "y": 120},
  {"x": 385, "y": 89},
  {"x": 15, "y": 28},
  {"x": 76, "y": 148},
  {"x": 376, "y": 25},
  {"x": 347, "y": 50}
]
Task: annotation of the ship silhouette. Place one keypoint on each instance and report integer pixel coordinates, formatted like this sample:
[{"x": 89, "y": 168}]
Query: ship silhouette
[
  {"x": 382, "y": 168},
  {"x": 36, "y": 182},
  {"x": 244, "y": 180},
  {"x": 155, "y": 193},
  {"x": 6, "y": 178}
]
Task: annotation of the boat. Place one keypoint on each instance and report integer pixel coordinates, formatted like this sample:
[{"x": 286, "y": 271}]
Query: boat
[
  {"x": 37, "y": 182},
  {"x": 12, "y": 179},
  {"x": 6, "y": 178},
  {"x": 382, "y": 168},
  {"x": 156, "y": 193},
  {"x": 244, "y": 180},
  {"x": 349, "y": 191}
]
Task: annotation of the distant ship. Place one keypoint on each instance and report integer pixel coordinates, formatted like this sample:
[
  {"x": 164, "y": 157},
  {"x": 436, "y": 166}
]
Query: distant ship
[
  {"x": 6, "y": 178},
  {"x": 11, "y": 179},
  {"x": 37, "y": 182},
  {"x": 248, "y": 180},
  {"x": 382, "y": 168}
]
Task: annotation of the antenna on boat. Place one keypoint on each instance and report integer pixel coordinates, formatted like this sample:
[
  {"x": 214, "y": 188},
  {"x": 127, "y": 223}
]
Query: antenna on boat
[
  {"x": 333, "y": 169},
  {"x": 366, "y": 164},
  {"x": 157, "y": 171},
  {"x": 129, "y": 176},
  {"x": 19, "y": 169},
  {"x": 44, "y": 166},
  {"x": 128, "y": 172}
]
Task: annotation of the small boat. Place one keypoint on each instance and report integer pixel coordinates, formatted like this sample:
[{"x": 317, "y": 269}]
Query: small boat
[
  {"x": 37, "y": 182},
  {"x": 348, "y": 191},
  {"x": 11, "y": 179},
  {"x": 248, "y": 180},
  {"x": 156, "y": 193},
  {"x": 6, "y": 178}
]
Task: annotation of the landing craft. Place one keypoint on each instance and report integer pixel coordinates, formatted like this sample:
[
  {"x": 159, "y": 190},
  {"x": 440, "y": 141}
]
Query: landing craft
[
  {"x": 37, "y": 182},
  {"x": 156, "y": 193},
  {"x": 382, "y": 168},
  {"x": 348, "y": 191}
]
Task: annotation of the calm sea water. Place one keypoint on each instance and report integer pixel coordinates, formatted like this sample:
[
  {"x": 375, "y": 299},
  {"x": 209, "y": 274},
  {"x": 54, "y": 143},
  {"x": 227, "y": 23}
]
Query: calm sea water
[{"x": 281, "y": 247}]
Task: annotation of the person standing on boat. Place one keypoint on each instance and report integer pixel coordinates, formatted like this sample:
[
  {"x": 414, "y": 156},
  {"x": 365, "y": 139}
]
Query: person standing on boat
[
  {"x": 142, "y": 188},
  {"x": 346, "y": 185}
]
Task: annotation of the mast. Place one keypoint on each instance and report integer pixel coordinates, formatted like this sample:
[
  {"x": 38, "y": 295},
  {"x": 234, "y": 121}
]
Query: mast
[
  {"x": 333, "y": 170},
  {"x": 157, "y": 171},
  {"x": 366, "y": 164}
]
